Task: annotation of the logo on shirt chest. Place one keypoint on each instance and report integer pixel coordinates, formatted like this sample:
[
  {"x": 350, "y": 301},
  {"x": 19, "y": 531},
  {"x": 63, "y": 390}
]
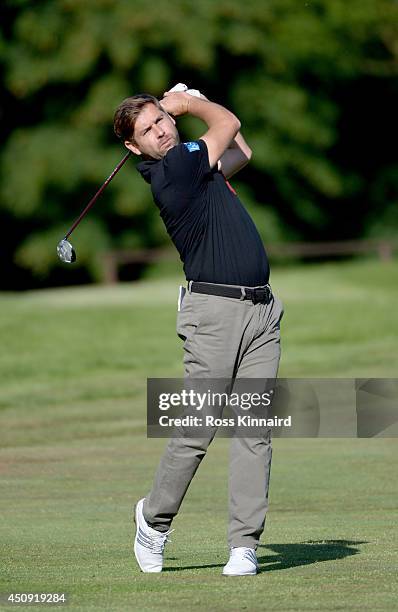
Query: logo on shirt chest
[{"x": 192, "y": 146}]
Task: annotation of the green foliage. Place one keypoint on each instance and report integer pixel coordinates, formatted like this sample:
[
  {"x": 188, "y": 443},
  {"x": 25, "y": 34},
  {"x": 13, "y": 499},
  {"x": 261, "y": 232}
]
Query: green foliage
[
  {"x": 312, "y": 82},
  {"x": 38, "y": 250}
]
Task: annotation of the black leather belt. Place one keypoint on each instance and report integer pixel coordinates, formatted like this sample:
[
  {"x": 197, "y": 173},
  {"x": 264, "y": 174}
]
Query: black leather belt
[{"x": 258, "y": 295}]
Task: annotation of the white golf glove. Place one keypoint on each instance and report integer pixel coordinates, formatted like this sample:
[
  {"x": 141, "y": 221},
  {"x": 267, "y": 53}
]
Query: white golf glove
[{"x": 183, "y": 87}]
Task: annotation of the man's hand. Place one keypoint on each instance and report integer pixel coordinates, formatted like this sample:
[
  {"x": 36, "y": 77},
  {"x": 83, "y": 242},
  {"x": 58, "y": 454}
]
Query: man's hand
[{"x": 176, "y": 103}]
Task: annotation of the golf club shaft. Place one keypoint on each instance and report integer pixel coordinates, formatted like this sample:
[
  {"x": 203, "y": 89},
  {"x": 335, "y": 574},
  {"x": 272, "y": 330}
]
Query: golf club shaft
[{"x": 100, "y": 190}]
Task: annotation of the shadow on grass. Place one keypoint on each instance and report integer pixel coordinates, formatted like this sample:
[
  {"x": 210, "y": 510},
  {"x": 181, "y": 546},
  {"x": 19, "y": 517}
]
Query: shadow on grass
[
  {"x": 292, "y": 555},
  {"x": 305, "y": 553}
]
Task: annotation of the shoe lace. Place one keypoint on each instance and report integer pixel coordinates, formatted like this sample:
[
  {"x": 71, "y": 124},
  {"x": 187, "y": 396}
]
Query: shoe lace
[
  {"x": 248, "y": 554},
  {"x": 158, "y": 540}
]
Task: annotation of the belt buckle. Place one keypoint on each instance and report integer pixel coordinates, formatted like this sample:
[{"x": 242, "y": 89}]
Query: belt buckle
[{"x": 261, "y": 295}]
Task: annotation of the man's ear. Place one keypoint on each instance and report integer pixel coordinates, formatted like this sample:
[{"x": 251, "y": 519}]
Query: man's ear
[{"x": 132, "y": 147}]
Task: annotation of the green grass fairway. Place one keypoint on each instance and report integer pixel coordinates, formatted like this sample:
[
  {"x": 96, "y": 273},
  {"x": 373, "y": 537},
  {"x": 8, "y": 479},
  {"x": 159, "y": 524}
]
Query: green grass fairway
[{"x": 74, "y": 455}]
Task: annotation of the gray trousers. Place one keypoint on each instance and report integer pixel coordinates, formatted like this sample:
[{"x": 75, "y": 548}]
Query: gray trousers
[{"x": 223, "y": 338}]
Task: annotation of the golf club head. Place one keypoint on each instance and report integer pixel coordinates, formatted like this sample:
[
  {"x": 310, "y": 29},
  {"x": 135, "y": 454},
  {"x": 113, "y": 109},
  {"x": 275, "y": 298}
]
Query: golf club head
[{"x": 66, "y": 252}]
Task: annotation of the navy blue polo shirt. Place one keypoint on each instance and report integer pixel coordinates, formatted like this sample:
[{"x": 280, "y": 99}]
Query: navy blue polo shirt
[{"x": 214, "y": 234}]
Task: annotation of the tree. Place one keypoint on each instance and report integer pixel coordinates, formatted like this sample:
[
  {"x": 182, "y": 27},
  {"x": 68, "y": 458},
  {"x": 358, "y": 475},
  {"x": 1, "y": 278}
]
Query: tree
[{"x": 314, "y": 84}]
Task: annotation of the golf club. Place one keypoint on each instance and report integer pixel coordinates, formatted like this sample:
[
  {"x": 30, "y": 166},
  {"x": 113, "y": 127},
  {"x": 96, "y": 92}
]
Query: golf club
[{"x": 65, "y": 250}]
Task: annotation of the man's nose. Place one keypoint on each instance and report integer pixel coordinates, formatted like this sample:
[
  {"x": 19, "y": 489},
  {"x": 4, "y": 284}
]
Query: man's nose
[{"x": 159, "y": 131}]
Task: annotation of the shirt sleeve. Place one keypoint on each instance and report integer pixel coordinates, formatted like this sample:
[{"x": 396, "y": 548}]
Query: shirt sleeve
[{"x": 187, "y": 167}]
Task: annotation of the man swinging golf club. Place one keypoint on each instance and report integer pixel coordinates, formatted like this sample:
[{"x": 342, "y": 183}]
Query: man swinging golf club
[{"x": 229, "y": 319}]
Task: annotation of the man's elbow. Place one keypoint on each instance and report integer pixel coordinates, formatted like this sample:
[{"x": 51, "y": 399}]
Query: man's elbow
[{"x": 237, "y": 125}]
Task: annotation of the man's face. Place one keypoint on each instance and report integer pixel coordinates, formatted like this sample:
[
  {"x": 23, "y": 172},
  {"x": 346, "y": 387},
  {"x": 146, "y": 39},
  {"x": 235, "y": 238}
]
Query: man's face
[{"x": 155, "y": 133}]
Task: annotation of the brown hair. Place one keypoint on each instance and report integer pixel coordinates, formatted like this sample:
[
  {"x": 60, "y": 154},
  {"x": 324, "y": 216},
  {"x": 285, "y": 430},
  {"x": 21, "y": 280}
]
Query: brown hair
[{"x": 127, "y": 113}]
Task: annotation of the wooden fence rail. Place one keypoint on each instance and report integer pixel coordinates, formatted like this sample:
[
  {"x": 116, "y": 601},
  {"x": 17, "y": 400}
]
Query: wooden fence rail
[{"x": 111, "y": 260}]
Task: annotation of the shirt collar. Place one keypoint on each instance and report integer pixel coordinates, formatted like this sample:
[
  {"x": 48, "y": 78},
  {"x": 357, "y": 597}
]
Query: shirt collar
[{"x": 146, "y": 168}]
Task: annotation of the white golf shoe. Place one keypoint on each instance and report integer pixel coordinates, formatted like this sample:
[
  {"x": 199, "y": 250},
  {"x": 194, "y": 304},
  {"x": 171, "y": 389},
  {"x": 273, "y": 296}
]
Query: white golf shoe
[
  {"x": 242, "y": 562},
  {"x": 148, "y": 543}
]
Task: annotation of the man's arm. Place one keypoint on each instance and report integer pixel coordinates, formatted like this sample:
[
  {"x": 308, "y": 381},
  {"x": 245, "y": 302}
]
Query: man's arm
[
  {"x": 222, "y": 125},
  {"x": 235, "y": 157}
]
